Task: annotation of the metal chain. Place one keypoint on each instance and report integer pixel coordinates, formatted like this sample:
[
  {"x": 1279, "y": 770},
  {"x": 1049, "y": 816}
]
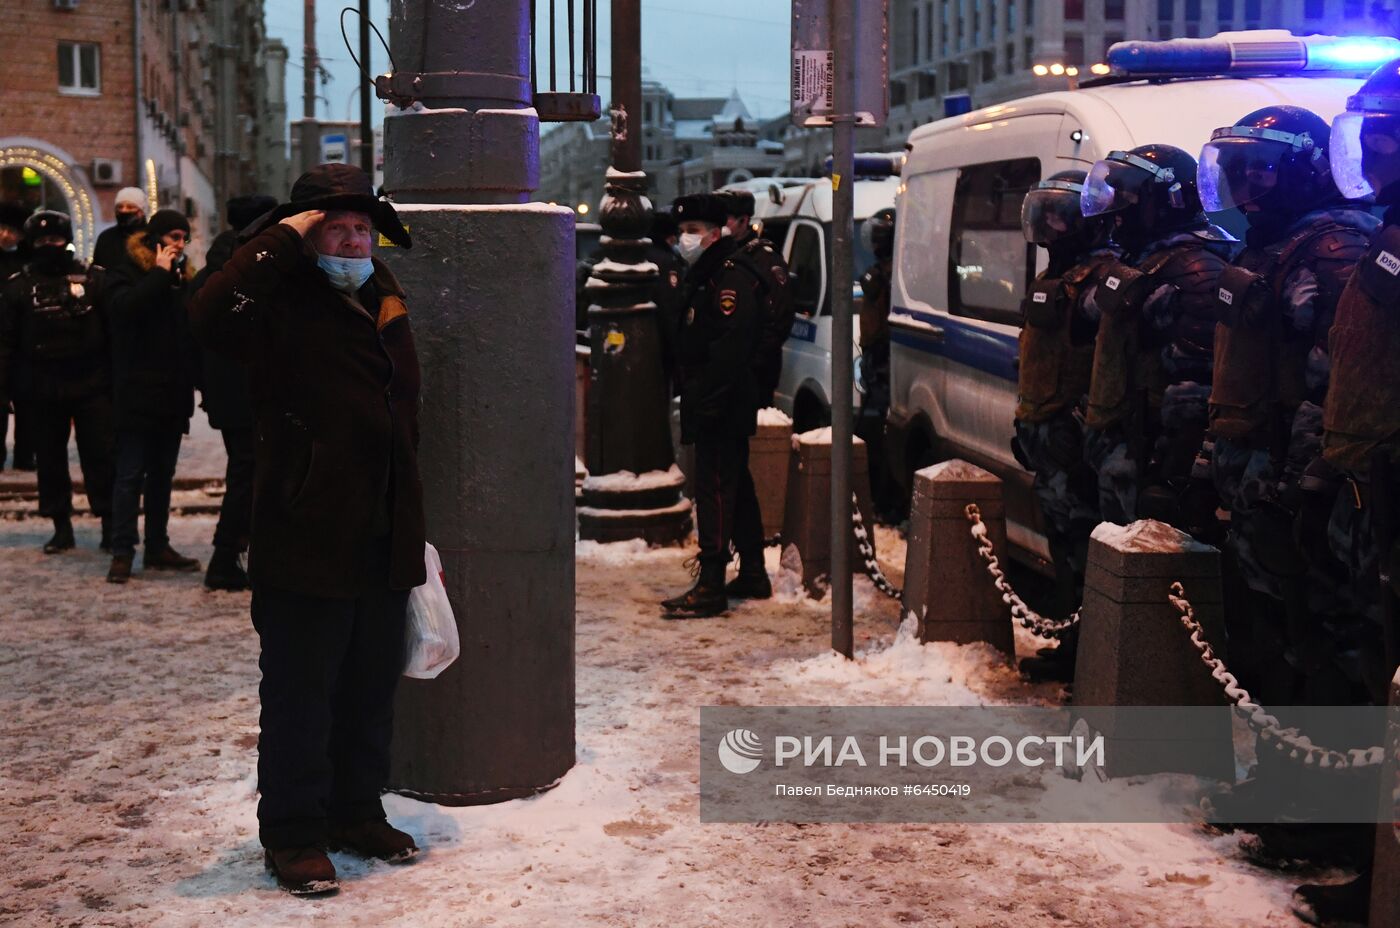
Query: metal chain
[
  {"x": 1287, "y": 741},
  {"x": 867, "y": 554},
  {"x": 1028, "y": 617}
]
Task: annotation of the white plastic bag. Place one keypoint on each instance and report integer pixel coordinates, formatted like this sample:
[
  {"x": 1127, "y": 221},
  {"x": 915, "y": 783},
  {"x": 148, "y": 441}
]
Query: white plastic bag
[{"x": 431, "y": 638}]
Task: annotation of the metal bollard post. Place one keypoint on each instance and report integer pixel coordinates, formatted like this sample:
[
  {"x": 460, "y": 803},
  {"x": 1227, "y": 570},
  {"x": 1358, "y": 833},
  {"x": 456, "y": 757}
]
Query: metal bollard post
[
  {"x": 1385, "y": 872},
  {"x": 1133, "y": 650},
  {"x": 769, "y": 451},
  {"x": 945, "y": 582},
  {"x": 807, "y": 504}
]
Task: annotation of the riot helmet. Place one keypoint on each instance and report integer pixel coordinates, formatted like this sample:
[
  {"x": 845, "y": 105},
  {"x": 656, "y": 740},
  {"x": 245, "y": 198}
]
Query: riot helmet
[
  {"x": 877, "y": 233},
  {"x": 48, "y": 222},
  {"x": 1150, "y": 191},
  {"x": 1051, "y": 210},
  {"x": 1273, "y": 161},
  {"x": 1365, "y": 142}
]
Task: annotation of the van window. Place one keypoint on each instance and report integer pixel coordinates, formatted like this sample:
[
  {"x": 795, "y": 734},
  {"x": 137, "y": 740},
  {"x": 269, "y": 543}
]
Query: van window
[
  {"x": 989, "y": 260},
  {"x": 805, "y": 265}
]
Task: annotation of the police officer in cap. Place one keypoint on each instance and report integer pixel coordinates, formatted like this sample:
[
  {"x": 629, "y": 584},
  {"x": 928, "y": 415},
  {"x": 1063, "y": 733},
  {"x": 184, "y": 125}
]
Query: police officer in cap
[
  {"x": 768, "y": 264},
  {"x": 54, "y": 354},
  {"x": 720, "y": 397},
  {"x": 12, "y": 217},
  {"x": 1146, "y": 415},
  {"x": 1056, "y": 360},
  {"x": 877, "y": 235},
  {"x": 1275, "y": 307}
]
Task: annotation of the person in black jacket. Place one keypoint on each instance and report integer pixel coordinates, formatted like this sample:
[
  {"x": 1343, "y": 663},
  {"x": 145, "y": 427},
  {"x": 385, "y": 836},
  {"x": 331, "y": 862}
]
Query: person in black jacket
[
  {"x": 153, "y": 359},
  {"x": 110, "y": 248},
  {"x": 719, "y": 403},
  {"x": 338, "y": 529},
  {"x": 54, "y": 354},
  {"x": 228, "y": 401},
  {"x": 12, "y": 257}
]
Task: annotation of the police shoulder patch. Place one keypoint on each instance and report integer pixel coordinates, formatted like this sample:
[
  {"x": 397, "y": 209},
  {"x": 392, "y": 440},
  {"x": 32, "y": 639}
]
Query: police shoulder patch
[
  {"x": 728, "y": 300},
  {"x": 675, "y": 278}
]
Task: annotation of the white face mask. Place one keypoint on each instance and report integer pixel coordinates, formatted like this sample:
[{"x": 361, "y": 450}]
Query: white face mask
[
  {"x": 347, "y": 274},
  {"x": 691, "y": 246}
]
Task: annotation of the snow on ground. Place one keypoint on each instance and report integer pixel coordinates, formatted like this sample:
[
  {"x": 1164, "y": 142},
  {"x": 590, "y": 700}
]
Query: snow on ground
[{"x": 127, "y": 777}]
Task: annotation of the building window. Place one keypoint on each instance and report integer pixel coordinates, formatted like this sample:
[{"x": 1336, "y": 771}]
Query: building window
[
  {"x": 1166, "y": 9},
  {"x": 1028, "y": 54},
  {"x": 928, "y": 85},
  {"x": 1030, "y": 13},
  {"x": 989, "y": 261},
  {"x": 1113, "y": 9},
  {"x": 1011, "y": 58},
  {"x": 1313, "y": 9},
  {"x": 957, "y": 75},
  {"x": 1074, "y": 49},
  {"x": 1193, "y": 11},
  {"x": 1252, "y": 13},
  {"x": 898, "y": 93},
  {"x": 79, "y": 67},
  {"x": 989, "y": 67},
  {"x": 1225, "y": 12},
  {"x": 1354, "y": 9},
  {"x": 914, "y": 31},
  {"x": 1074, "y": 10},
  {"x": 928, "y": 33},
  {"x": 946, "y": 30}
]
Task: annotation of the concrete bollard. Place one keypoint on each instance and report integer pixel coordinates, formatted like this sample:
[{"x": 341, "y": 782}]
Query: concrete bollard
[
  {"x": 807, "y": 504},
  {"x": 1385, "y": 872},
  {"x": 1134, "y": 651},
  {"x": 946, "y": 584},
  {"x": 769, "y": 451}
]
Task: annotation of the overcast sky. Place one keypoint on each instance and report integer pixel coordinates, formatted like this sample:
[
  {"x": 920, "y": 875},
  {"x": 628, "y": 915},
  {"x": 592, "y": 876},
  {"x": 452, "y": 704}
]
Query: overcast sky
[{"x": 698, "y": 48}]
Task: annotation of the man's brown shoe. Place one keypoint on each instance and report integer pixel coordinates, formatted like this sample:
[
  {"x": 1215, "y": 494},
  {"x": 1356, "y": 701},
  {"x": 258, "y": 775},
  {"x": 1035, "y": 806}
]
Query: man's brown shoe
[
  {"x": 167, "y": 558},
  {"x": 120, "y": 571},
  {"x": 302, "y": 871},
  {"x": 377, "y": 839}
]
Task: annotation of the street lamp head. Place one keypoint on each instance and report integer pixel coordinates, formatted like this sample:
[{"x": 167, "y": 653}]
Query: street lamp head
[
  {"x": 1100, "y": 68},
  {"x": 583, "y": 209},
  {"x": 1072, "y": 71},
  {"x": 1040, "y": 70},
  {"x": 1057, "y": 69}
]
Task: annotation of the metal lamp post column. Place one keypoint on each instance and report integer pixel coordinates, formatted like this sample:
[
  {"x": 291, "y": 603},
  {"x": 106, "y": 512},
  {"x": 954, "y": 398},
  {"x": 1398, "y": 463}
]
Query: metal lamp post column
[
  {"x": 490, "y": 284},
  {"x": 628, "y": 422}
]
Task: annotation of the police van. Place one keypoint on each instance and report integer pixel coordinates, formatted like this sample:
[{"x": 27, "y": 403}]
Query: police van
[
  {"x": 962, "y": 264},
  {"x": 797, "y": 220}
]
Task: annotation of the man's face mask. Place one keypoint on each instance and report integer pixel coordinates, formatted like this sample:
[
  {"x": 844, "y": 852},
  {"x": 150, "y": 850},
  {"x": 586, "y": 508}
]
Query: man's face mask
[
  {"x": 50, "y": 259},
  {"x": 691, "y": 246},
  {"x": 126, "y": 218},
  {"x": 346, "y": 274}
]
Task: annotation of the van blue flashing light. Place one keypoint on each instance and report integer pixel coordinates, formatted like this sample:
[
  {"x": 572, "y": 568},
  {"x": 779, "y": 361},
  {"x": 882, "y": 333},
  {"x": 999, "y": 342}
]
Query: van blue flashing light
[
  {"x": 873, "y": 165},
  {"x": 1271, "y": 51}
]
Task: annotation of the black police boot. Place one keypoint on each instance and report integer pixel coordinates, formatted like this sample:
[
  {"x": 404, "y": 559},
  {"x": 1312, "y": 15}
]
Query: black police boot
[
  {"x": 1334, "y": 903},
  {"x": 703, "y": 600},
  {"x": 225, "y": 573},
  {"x": 751, "y": 583},
  {"x": 106, "y": 543},
  {"x": 62, "y": 539},
  {"x": 691, "y": 564}
]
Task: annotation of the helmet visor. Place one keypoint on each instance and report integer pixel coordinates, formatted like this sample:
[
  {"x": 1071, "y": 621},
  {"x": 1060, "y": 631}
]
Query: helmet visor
[
  {"x": 1346, "y": 153},
  {"x": 1112, "y": 186},
  {"x": 1051, "y": 211},
  {"x": 1235, "y": 171}
]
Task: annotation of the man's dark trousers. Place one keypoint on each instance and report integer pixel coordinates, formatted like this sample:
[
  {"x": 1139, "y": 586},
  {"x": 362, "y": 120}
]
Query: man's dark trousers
[
  {"x": 329, "y": 671},
  {"x": 145, "y": 470},
  {"x": 726, "y": 504},
  {"x": 236, "y": 513},
  {"x": 54, "y": 421}
]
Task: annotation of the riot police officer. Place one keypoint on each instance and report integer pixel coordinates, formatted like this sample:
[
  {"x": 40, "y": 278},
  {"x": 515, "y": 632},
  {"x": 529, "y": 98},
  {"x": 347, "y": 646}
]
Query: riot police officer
[
  {"x": 1146, "y": 414},
  {"x": 1056, "y": 359},
  {"x": 720, "y": 397},
  {"x": 12, "y": 217},
  {"x": 1275, "y": 307},
  {"x": 54, "y": 353},
  {"x": 877, "y": 235}
]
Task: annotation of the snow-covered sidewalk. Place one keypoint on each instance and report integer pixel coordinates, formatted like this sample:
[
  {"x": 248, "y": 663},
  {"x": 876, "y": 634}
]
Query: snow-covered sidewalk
[{"x": 128, "y": 748}]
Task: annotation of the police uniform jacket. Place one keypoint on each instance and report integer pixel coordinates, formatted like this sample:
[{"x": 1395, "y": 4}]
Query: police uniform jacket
[
  {"x": 717, "y": 342},
  {"x": 53, "y": 337}
]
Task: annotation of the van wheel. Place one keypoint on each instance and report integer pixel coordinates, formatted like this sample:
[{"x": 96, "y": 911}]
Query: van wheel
[
  {"x": 808, "y": 413},
  {"x": 919, "y": 455}
]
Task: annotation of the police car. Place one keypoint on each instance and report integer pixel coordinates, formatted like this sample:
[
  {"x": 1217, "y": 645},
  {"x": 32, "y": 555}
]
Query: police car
[
  {"x": 962, "y": 265},
  {"x": 797, "y": 220}
]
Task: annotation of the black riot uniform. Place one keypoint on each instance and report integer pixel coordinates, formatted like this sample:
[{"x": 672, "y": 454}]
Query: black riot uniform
[
  {"x": 720, "y": 394},
  {"x": 1148, "y": 394},
  {"x": 1055, "y": 362},
  {"x": 12, "y": 216},
  {"x": 54, "y": 354},
  {"x": 1274, "y": 309},
  {"x": 877, "y": 234}
]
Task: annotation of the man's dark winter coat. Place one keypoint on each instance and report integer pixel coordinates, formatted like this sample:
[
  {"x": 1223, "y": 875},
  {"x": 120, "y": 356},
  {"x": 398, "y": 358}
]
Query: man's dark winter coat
[
  {"x": 223, "y": 385},
  {"x": 110, "y": 248},
  {"x": 717, "y": 343},
  {"x": 335, "y": 396},
  {"x": 154, "y": 359}
]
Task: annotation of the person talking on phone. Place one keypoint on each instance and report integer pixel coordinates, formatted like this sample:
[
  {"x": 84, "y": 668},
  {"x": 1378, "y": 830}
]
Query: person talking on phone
[{"x": 154, "y": 359}]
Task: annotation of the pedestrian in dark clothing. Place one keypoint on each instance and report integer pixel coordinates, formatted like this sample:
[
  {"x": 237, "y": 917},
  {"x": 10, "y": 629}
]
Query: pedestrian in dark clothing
[
  {"x": 228, "y": 401},
  {"x": 54, "y": 355},
  {"x": 670, "y": 277},
  {"x": 153, "y": 364},
  {"x": 12, "y": 217},
  {"x": 719, "y": 404},
  {"x": 877, "y": 234},
  {"x": 775, "y": 292},
  {"x": 110, "y": 249},
  {"x": 338, "y": 532}
]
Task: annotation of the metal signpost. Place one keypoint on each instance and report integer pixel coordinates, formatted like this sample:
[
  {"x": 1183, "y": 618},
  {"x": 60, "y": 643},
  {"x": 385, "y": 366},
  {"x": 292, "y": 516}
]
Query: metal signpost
[{"x": 840, "y": 78}]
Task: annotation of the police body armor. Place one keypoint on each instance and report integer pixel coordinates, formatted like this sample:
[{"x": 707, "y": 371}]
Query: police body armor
[
  {"x": 1117, "y": 347},
  {"x": 1056, "y": 341},
  {"x": 1260, "y": 370},
  {"x": 62, "y": 321},
  {"x": 1362, "y": 413}
]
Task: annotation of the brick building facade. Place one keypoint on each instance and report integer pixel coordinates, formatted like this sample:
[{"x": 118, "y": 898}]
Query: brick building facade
[{"x": 166, "y": 95}]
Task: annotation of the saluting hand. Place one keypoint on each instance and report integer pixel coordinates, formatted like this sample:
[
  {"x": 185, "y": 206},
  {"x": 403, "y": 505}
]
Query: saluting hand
[{"x": 304, "y": 222}]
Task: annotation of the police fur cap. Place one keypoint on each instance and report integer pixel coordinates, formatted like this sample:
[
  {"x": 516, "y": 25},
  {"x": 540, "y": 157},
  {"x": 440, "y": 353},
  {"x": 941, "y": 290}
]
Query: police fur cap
[
  {"x": 48, "y": 222},
  {"x": 737, "y": 202},
  {"x": 13, "y": 214},
  {"x": 700, "y": 207},
  {"x": 338, "y": 187}
]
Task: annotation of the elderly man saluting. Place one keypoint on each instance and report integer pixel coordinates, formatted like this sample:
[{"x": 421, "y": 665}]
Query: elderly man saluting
[{"x": 337, "y": 539}]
